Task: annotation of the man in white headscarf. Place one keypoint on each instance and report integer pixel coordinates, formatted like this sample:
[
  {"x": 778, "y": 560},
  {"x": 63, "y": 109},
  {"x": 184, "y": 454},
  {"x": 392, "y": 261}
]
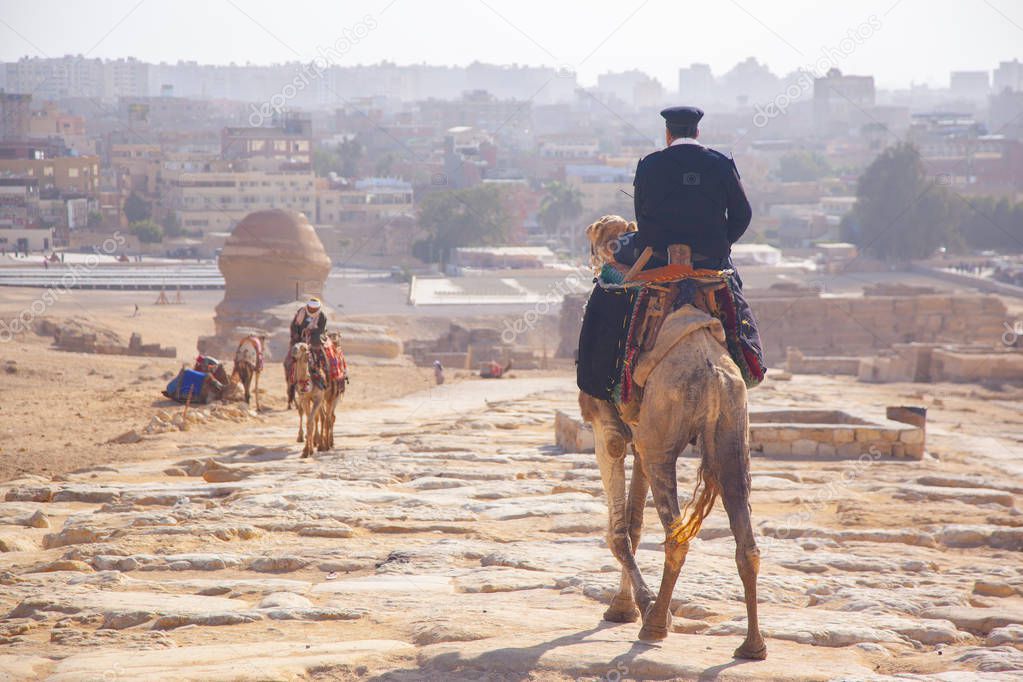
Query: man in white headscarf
[{"x": 309, "y": 323}]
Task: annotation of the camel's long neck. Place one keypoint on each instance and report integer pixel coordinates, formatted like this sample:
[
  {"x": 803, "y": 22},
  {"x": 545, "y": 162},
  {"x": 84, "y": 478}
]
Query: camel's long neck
[{"x": 302, "y": 367}]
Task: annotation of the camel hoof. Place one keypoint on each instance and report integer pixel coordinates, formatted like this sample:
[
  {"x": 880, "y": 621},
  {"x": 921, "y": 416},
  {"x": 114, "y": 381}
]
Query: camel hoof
[
  {"x": 751, "y": 652},
  {"x": 654, "y": 632},
  {"x": 621, "y": 611}
]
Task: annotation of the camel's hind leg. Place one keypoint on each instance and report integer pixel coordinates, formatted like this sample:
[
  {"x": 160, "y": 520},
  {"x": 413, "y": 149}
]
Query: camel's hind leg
[
  {"x": 246, "y": 374},
  {"x": 660, "y": 468},
  {"x": 332, "y": 416},
  {"x": 623, "y": 608},
  {"x": 731, "y": 453},
  {"x": 255, "y": 391},
  {"x": 611, "y": 449}
]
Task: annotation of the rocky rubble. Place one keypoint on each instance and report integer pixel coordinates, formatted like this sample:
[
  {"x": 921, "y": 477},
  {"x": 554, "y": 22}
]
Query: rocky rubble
[{"x": 447, "y": 539}]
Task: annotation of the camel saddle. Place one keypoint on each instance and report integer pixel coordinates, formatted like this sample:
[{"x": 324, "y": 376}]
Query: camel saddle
[
  {"x": 664, "y": 285},
  {"x": 660, "y": 296},
  {"x": 628, "y": 309}
]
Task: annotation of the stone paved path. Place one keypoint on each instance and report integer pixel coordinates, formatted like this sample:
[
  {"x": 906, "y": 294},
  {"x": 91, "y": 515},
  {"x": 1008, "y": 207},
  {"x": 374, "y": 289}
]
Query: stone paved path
[{"x": 447, "y": 539}]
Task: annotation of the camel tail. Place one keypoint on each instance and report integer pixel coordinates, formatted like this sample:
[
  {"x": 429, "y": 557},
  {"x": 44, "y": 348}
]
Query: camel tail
[{"x": 705, "y": 493}]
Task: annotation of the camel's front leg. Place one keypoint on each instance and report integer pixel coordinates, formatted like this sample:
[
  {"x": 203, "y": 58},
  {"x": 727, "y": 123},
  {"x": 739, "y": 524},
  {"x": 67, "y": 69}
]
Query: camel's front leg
[
  {"x": 610, "y": 447},
  {"x": 301, "y": 415},
  {"x": 322, "y": 440},
  {"x": 310, "y": 428}
]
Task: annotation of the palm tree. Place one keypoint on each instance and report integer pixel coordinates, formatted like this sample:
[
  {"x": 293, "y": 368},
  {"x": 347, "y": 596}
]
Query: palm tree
[{"x": 562, "y": 203}]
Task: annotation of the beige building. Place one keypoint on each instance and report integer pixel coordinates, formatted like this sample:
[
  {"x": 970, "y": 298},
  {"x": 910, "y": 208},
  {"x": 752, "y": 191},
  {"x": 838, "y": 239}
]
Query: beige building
[
  {"x": 52, "y": 121},
  {"x": 601, "y": 186},
  {"x": 65, "y": 173},
  {"x": 215, "y": 202},
  {"x": 286, "y": 145},
  {"x": 368, "y": 200}
]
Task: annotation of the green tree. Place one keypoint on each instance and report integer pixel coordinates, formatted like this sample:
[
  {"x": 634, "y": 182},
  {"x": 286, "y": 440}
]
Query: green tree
[
  {"x": 95, "y": 220},
  {"x": 561, "y": 203},
  {"x": 147, "y": 231},
  {"x": 325, "y": 160},
  {"x": 900, "y": 213},
  {"x": 384, "y": 165},
  {"x": 342, "y": 159},
  {"x": 991, "y": 223},
  {"x": 350, "y": 152},
  {"x": 465, "y": 217},
  {"x": 802, "y": 167},
  {"x": 136, "y": 209},
  {"x": 171, "y": 225}
]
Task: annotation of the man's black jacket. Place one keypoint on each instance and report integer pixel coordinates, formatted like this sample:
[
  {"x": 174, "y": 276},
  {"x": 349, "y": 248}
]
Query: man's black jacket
[{"x": 690, "y": 194}]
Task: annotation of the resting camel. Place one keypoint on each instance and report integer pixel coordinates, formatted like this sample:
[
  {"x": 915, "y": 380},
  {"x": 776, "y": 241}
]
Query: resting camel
[
  {"x": 248, "y": 365},
  {"x": 309, "y": 398},
  {"x": 695, "y": 391}
]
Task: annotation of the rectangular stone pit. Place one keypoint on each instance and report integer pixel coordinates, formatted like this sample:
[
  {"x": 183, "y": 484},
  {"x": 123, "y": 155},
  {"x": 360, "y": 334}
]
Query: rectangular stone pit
[
  {"x": 840, "y": 434},
  {"x": 798, "y": 433}
]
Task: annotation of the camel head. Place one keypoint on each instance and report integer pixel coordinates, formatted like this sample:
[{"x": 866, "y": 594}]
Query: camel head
[
  {"x": 300, "y": 356},
  {"x": 299, "y": 351},
  {"x": 603, "y": 236}
]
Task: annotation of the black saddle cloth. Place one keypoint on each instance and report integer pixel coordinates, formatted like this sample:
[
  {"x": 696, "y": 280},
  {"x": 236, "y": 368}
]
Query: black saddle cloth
[
  {"x": 602, "y": 341},
  {"x": 604, "y": 332}
]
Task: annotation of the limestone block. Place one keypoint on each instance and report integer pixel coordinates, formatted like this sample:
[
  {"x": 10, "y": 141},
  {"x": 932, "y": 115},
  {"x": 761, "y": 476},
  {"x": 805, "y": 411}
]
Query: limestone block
[
  {"x": 572, "y": 434},
  {"x": 911, "y": 436},
  {"x": 804, "y": 447}
]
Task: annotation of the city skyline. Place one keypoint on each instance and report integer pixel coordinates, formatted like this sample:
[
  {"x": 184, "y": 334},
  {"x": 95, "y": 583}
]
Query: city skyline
[{"x": 784, "y": 37}]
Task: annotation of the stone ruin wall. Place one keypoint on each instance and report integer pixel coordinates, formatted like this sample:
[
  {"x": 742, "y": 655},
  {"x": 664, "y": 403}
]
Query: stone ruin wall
[
  {"x": 859, "y": 326},
  {"x": 850, "y": 326}
]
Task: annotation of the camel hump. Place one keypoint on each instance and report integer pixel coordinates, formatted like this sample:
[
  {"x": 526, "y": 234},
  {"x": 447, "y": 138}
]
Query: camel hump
[{"x": 678, "y": 326}]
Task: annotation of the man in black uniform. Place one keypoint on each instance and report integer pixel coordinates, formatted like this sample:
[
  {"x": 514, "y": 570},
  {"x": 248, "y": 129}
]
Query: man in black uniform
[{"x": 690, "y": 194}]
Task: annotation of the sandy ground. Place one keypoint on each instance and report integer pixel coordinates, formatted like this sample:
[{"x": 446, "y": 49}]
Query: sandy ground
[
  {"x": 59, "y": 410},
  {"x": 445, "y": 538}
]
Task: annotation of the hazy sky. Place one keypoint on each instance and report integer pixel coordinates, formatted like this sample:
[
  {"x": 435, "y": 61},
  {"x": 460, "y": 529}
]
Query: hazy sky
[{"x": 909, "y": 40}]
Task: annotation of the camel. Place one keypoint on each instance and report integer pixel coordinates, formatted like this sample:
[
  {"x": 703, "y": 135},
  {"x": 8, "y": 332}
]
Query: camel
[
  {"x": 309, "y": 398},
  {"x": 332, "y": 396},
  {"x": 696, "y": 391},
  {"x": 248, "y": 365}
]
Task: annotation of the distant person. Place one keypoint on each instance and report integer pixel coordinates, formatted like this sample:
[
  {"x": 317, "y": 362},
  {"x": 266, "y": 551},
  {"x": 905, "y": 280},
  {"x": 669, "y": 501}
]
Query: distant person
[
  {"x": 438, "y": 372},
  {"x": 136, "y": 313},
  {"x": 46, "y": 263},
  {"x": 309, "y": 323},
  {"x": 494, "y": 370}
]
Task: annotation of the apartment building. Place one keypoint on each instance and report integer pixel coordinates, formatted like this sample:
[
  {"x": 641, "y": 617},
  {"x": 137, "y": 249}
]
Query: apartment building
[
  {"x": 216, "y": 201},
  {"x": 366, "y": 201},
  {"x": 286, "y": 145},
  {"x": 68, "y": 174}
]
